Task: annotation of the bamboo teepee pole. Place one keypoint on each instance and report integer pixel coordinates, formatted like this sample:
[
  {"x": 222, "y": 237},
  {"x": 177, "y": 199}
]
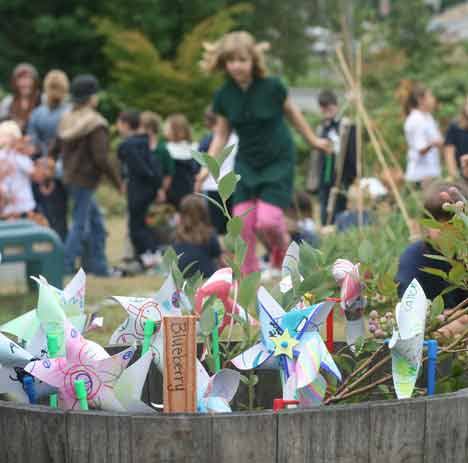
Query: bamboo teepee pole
[
  {"x": 373, "y": 138},
  {"x": 360, "y": 205}
]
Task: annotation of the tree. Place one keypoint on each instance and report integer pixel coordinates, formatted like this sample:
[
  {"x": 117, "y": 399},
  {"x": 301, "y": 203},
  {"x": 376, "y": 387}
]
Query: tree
[{"x": 142, "y": 78}]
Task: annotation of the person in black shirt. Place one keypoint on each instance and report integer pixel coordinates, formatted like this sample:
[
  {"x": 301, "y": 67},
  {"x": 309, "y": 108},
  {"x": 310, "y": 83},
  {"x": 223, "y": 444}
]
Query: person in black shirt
[
  {"x": 142, "y": 172},
  {"x": 196, "y": 240},
  {"x": 415, "y": 256},
  {"x": 456, "y": 145},
  {"x": 336, "y": 170}
]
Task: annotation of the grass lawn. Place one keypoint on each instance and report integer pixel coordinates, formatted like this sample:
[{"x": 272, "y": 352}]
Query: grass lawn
[{"x": 98, "y": 290}]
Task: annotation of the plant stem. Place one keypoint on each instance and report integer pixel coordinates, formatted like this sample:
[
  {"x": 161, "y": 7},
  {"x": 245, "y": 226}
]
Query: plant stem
[
  {"x": 362, "y": 367},
  {"x": 346, "y": 390},
  {"x": 362, "y": 389}
]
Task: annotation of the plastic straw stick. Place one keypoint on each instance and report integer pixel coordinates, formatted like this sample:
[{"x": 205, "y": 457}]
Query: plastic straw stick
[
  {"x": 81, "y": 394},
  {"x": 330, "y": 340},
  {"x": 432, "y": 348},
  {"x": 148, "y": 331},
  {"x": 216, "y": 357},
  {"x": 53, "y": 349},
  {"x": 28, "y": 384}
]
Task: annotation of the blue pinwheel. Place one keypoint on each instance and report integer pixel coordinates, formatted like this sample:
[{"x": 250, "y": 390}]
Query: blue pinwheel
[{"x": 290, "y": 342}]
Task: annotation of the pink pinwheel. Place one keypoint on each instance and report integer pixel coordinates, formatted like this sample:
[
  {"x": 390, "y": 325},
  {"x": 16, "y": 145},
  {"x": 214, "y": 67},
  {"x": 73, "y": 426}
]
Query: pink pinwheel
[
  {"x": 352, "y": 301},
  {"x": 347, "y": 276},
  {"x": 220, "y": 285},
  {"x": 87, "y": 361}
]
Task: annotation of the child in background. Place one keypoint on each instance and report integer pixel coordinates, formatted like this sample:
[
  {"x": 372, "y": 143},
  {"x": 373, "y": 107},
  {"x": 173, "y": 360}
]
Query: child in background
[
  {"x": 180, "y": 146},
  {"x": 142, "y": 172},
  {"x": 209, "y": 186},
  {"x": 196, "y": 240},
  {"x": 301, "y": 226},
  {"x": 416, "y": 256},
  {"x": 151, "y": 124},
  {"x": 17, "y": 172}
]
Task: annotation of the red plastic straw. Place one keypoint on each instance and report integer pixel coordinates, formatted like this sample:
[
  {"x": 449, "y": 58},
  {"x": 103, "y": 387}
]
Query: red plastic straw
[
  {"x": 330, "y": 339},
  {"x": 280, "y": 404}
]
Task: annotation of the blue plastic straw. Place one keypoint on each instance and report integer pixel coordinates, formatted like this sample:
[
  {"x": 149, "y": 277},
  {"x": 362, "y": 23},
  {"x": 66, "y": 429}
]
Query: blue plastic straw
[
  {"x": 28, "y": 384},
  {"x": 432, "y": 348}
]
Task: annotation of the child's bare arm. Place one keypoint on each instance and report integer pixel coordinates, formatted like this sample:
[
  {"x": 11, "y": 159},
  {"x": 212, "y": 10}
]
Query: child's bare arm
[{"x": 297, "y": 119}]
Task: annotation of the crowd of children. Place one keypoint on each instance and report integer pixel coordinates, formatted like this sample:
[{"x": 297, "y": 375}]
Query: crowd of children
[{"x": 55, "y": 149}]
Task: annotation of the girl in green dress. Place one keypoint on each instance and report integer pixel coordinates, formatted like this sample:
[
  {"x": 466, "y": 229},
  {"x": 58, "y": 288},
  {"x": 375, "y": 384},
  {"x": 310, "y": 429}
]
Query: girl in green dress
[{"x": 254, "y": 105}]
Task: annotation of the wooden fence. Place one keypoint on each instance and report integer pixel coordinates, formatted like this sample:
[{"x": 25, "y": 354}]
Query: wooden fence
[{"x": 425, "y": 430}]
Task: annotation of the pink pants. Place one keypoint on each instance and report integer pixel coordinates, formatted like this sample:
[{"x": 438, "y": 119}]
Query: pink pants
[{"x": 267, "y": 221}]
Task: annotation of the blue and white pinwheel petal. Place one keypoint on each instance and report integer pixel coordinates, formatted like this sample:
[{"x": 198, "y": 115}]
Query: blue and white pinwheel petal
[
  {"x": 269, "y": 314},
  {"x": 252, "y": 358}
]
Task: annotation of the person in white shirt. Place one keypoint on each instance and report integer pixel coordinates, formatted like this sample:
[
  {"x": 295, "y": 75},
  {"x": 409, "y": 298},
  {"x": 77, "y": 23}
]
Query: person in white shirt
[
  {"x": 422, "y": 136},
  {"x": 18, "y": 170}
]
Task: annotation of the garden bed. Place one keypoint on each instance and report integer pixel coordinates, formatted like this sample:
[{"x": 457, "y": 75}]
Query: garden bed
[{"x": 419, "y": 430}]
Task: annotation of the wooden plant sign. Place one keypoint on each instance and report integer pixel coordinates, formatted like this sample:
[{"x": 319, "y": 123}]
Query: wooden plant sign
[{"x": 180, "y": 371}]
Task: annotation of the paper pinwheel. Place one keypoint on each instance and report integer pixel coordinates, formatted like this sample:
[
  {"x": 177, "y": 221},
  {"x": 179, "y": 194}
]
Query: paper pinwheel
[
  {"x": 407, "y": 341},
  {"x": 167, "y": 301},
  {"x": 87, "y": 361},
  {"x": 129, "y": 386},
  {"x": 291, "y": 343},
  {"x": 53, "y": 307},
  {"x": 290, "y": 267},
  {"x": 13, "y": 359},
  {"x": 220, "y": 285},
  {"x": 353, "y": 303},
  {"x": 215, "y": 393}
]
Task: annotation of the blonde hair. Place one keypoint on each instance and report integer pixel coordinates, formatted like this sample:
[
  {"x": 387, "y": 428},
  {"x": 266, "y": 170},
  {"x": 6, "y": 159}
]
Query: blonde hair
[
  {"x": 216, "y": 54},
  {"x": 56, "y": 87},
  {"x": 9, "y": 132},
  {"x": 177, "y": 128},
  {"x": 150, "y": 122},
  {"x": 194, "y": 224}
]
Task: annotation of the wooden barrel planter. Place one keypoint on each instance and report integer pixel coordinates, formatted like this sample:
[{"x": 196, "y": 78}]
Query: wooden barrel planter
[{"x": 418, "y": 431}]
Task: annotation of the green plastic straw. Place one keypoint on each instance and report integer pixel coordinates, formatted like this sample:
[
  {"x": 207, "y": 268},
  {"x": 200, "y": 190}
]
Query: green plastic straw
[
  {"x": 216, "y": 356},
  {"x": 148, "y": 331},
  {"x": 81, "y": 393},
  {"x": 53, "y": 349}
]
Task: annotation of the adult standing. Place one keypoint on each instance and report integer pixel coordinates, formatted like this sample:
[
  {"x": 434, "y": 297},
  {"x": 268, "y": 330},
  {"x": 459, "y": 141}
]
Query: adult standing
[
  {"x": 422, "y": 136},
  {"x": 255, "y": 106},
  {"x": 84, "y": 136},
  {"x": 25, "y": 95},
  {"x": 42, "y": 128},
  {"x": 456, "y": 145}
]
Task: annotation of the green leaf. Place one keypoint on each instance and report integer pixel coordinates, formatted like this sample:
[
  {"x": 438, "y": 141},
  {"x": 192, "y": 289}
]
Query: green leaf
[
  {"x": 227, "y": 185},
  {"x": 240, "y": 249},
  {"x": 457, "y": 273},
  {"x": 366, "y": 252},
  {"x": 212, "y": 165},
  {"x": 177, "y": 275},
  {"x": 169, "y": 257},
  {"x": 234, "y": 226},
  {"x": 248, "y": 289},
  {"x": 435, "y": 271},
  {"x": 207, "y": 319},
  {"x": 199, "y": 157},
  {"x": 224, "y": 154},
  {"x": 437, "y": 306}
]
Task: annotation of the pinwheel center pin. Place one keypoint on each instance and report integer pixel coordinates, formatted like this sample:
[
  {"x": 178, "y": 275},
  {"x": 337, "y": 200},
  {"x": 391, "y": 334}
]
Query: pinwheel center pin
[{"x": 284, "y": 344}]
